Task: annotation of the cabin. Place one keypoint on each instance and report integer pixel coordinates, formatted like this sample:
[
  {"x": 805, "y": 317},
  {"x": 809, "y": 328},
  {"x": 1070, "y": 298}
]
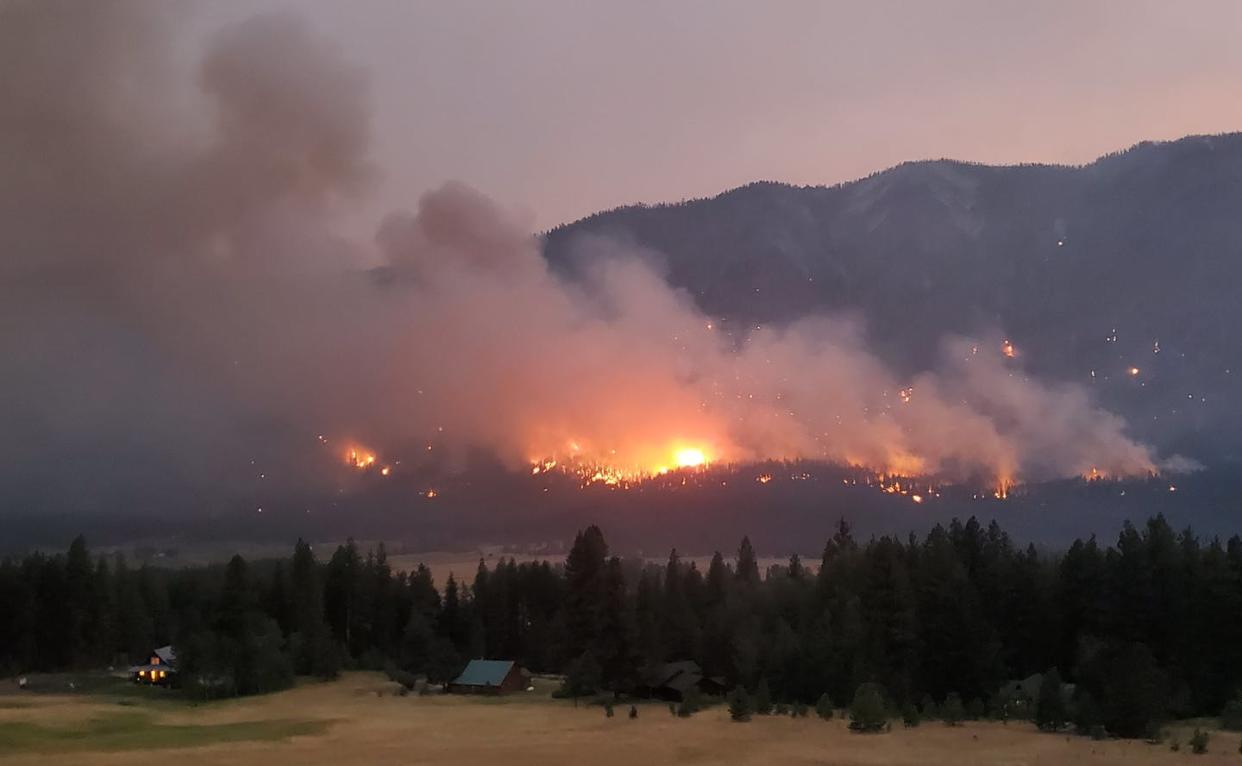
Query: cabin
[
  {"x": 1020, "y": 696},
  {"x": 672, "y": 681},
  {"x": 490, "y": 677},
  {"x": 160, "y": 669}
]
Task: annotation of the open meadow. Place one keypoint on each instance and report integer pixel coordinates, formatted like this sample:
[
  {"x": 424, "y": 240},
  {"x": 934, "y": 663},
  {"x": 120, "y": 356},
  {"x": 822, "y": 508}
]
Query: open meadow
[{"x": 360, "y": 719}]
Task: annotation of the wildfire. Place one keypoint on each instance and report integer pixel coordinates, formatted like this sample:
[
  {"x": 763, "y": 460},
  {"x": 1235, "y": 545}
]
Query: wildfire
[
  {"x": 690, "y": 457},
  {"x": 610, "y": 472},
  {"x": 359, "y": 458}
]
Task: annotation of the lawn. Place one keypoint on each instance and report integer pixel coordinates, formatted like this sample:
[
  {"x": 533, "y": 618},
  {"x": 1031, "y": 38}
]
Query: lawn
[{"x": 141, "y": 731}]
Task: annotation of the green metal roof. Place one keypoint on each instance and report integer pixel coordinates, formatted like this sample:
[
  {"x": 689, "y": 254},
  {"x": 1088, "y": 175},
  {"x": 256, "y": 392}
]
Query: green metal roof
[{"x": 484, "y": 673}]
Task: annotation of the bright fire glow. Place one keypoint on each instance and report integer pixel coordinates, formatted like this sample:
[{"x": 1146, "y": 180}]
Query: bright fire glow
[
  {"x": 592, "y": 467},
  {"x": 359, "y": 458},
  {"x": 690, "y": 457}
]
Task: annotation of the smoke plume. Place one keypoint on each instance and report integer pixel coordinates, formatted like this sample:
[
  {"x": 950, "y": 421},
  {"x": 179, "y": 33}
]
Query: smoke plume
[{"x": 183, "y": 320}]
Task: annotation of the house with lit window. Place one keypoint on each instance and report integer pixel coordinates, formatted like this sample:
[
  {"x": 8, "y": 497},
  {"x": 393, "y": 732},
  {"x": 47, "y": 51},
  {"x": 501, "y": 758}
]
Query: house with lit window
[{"x": 160, "y": 670}]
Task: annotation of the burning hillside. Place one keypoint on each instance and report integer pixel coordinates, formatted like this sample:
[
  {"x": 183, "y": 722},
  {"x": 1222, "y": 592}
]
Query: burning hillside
[{"x": 197, "y": 308}]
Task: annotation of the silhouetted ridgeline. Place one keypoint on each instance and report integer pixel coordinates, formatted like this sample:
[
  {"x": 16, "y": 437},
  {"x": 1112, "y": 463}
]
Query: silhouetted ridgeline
[{"x": 1145, "y": 629}]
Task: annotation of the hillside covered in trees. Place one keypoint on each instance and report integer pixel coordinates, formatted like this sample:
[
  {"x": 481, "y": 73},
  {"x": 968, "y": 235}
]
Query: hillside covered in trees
[
  {"x": 1145, "y": 628},
  {"x": 1129, "y": 261}
]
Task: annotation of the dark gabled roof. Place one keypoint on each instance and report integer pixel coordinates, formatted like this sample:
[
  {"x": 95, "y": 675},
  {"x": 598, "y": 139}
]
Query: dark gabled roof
[
  {"x": 484, "y": 673},
  {"x": 1023, "y": 687},
  {"x": 166, "y": 654},
  {"x": 684, "y": 681},
  {"x": 664, "y": 675}
]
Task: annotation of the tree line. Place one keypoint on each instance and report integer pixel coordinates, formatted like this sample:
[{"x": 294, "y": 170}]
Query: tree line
[{"x": 1144, "y": 629}]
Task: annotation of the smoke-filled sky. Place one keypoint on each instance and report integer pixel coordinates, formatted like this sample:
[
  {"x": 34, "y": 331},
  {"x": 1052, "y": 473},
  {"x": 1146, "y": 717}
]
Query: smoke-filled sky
[
  {"x": 188, "y": 302},
  {"x": 565, "y": 107}
]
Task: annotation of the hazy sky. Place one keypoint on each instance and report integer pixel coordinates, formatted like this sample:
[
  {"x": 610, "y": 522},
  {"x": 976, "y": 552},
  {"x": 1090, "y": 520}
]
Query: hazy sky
[{"x": 565, "y": 107}]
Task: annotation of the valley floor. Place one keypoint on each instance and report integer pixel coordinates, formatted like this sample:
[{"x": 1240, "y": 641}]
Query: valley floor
[{"x": 358, "y": 719}]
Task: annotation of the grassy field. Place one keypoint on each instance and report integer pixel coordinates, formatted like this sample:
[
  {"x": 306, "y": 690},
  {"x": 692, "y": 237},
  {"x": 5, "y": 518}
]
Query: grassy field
[{"x": 359, "y": 720}]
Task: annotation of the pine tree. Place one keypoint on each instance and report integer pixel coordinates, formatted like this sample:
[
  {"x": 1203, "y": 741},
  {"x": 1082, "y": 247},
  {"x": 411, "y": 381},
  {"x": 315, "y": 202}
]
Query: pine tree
[
  {"x": 747, "y": 564},
  {"x": 868, "y": 713},
  {"x": 740, "y": 707},
  {"x": 824, "y": 707},
  {"x": 584, "y": 602}
]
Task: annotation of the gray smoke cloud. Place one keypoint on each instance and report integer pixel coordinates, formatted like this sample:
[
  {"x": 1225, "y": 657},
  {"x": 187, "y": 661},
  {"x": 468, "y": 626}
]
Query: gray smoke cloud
[{"x": 182, "y": 318}]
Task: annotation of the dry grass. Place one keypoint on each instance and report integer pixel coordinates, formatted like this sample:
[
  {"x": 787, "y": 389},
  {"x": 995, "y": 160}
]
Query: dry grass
[{"x": 357, "y": 725}]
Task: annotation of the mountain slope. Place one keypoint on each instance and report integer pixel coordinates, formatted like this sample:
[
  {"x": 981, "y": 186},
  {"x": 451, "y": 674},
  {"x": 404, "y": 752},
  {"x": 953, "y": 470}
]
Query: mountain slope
[{"x": 1134, "y": 260}]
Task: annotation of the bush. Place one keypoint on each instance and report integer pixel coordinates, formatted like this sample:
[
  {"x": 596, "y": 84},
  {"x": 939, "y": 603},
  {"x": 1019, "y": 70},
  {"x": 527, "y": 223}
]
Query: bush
[
  {"x": 1098, "y": 733},
  {"x": 608, "y": 711},
  {"x": 693, "y": 700},
  {"x": 1050, "y": 712},
  {"x": 763, "y": 698},
  {"x": 582, "y": 678},
  {"x": 952, "y": 712},
  {"x": 927, "y": 707},
  {"x": 798, "y": 709},
  {"x": 867, "y": 712},
  {"x": 780, "y": 708},
  {"x": 910, "y": 716},
  {"x": 1231, "y": 716},
  {"x": 686, "y": 708},
  {"x": 740, "y": 706},
  {"x": 407, "y": 680},
  {"x": 824, "y": 707},
  {"x": 1087, "y": 714},
  {"x": 1135, "y": 692},
  {"x": 633, "y": 712},
  {"x": 1199, "y": 742},
  {"x": 974, "y": 709}
]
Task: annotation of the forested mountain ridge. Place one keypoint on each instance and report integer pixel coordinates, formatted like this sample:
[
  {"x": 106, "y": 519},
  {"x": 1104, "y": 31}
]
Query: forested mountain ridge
[{"x": 1129, "y": 261}]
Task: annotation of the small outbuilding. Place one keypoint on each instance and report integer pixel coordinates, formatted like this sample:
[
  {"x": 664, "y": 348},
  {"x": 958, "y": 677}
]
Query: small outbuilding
[
  {"x": 490, "y": 677},
  {"x": 674, "y": 680},
  {"x": 1020, "y": 696},
  {"x": 160, "y": 669}
]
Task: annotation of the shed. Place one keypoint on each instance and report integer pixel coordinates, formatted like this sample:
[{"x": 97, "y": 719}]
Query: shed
[
  {"x": 673, "y": 680},
  {"x": 490, "y": 677}
]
